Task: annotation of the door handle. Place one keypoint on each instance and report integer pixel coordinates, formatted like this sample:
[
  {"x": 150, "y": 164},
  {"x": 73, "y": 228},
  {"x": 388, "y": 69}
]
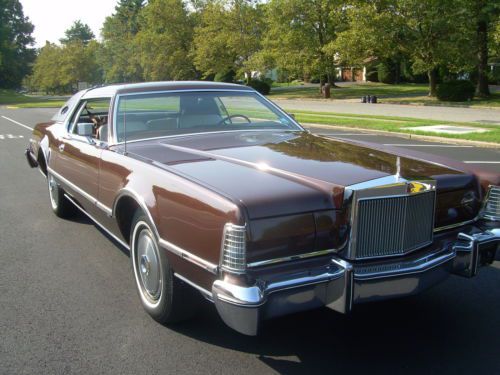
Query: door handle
[{"x": 61, "y": 147}]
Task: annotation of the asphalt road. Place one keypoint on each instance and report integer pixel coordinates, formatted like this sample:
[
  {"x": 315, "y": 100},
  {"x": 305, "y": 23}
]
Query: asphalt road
[{"x": 68, "y": 304}]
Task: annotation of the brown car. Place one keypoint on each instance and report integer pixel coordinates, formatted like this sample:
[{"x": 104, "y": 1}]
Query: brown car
[{"x": 215, "y": 190}]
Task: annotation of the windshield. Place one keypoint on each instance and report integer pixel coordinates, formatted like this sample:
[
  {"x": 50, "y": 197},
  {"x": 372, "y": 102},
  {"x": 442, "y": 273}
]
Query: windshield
[{"x": 161, "y": 114}]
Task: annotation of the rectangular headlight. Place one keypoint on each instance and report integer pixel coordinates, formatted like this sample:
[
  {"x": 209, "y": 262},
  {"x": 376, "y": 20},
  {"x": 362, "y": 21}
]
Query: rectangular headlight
[
  {"x": 234, "y": 248},
  {"x": 491, "y": 208}
]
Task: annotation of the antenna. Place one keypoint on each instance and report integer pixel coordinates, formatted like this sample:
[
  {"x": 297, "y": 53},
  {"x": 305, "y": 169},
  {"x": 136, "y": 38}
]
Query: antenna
[{"x": 125, "y": 125}]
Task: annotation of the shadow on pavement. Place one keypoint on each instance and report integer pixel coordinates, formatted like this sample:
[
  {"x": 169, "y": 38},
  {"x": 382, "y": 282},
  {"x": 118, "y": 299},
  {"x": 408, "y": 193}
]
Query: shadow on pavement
[{"x": 454, "y": 328}]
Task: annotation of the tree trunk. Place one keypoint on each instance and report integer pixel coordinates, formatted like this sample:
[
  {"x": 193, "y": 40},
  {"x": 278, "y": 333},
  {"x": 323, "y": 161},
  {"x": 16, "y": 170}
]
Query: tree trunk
[
  {"x": 482, "y": 88},
  {"x": 397, "y": 72},
  {"x": 321, "y": 83},
  {"x": 331, "y": 77},
  {"x": 432, "y": 75}
]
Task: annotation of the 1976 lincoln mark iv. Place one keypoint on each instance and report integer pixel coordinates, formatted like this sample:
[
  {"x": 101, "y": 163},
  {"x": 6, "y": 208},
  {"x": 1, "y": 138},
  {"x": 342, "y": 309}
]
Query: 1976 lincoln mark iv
[{"x": 217, "y": 191}]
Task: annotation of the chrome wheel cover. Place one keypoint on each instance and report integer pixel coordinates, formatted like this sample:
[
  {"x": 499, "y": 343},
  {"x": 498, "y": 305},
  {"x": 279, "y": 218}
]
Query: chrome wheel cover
[
  {"x": 53, "y": 192},
  {"x": 147, "y": 265}
]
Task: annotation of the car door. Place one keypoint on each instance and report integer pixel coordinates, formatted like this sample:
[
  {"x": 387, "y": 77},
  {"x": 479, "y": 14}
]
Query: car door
[{"x": 78, "y": 155}]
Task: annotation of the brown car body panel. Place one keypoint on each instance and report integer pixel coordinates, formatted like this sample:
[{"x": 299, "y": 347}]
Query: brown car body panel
[{"x": 287, "y": 186}]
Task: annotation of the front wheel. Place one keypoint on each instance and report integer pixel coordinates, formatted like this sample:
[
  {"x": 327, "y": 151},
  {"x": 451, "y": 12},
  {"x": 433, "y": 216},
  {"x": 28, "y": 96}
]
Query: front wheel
[
  {"x": 166, "y": 298},
  {"x": 60, "y": 205}
]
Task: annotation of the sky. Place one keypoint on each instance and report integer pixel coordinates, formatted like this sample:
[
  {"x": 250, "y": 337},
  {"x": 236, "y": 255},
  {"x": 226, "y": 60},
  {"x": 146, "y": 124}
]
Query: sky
[{"x": 52, "y": 17}]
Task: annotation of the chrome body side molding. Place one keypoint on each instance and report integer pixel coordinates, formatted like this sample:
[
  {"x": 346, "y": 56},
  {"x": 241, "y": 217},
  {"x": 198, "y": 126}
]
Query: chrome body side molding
[
  {"x": 290, "y": 258},
  {"x": 456, "y": 225},
  {"x": 97, "y": 222},
  {"x": 82, "y": 192},
  {"x": 190, "y": 257},
  {"x": 184, "y": 254},
  {"x": 203, "y": 291}
]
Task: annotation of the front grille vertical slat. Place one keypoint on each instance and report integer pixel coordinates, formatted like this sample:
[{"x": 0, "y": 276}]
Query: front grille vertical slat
[{"x": 388, "y": 226}]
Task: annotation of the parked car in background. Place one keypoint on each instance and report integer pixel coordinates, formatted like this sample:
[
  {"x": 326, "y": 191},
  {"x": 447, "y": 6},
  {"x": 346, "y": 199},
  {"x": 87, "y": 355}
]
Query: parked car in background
[{"x": 216, "y": 191}]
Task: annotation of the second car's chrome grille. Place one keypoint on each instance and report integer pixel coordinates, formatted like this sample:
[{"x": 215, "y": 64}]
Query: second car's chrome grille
[{"x": 394, "y": 225}]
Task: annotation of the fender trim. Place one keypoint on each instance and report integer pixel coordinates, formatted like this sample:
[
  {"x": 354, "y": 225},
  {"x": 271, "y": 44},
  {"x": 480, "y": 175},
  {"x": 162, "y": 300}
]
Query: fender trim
[{"x": 184, "y": 254}]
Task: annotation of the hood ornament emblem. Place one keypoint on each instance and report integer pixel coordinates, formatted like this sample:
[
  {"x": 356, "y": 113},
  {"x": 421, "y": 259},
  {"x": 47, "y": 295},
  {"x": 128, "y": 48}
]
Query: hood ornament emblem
[{"x": 398, "y": 168}]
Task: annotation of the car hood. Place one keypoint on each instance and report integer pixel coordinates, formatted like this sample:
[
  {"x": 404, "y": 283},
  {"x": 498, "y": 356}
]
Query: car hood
[{"x": 274, "y": 173}]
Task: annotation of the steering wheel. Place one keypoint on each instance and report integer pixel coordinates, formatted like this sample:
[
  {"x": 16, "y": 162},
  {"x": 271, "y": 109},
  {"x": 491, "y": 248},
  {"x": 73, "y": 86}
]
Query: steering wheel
[{"x": 223, "y": 121}]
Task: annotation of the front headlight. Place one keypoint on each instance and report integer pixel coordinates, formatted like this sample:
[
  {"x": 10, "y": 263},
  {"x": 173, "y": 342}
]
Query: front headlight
[
  {"x": 234, "y": 254},
  {"x": 491, "y": 207}
]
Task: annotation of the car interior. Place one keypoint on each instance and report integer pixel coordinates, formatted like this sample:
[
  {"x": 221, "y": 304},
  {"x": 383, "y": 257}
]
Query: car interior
[
  {"x": 148, "y": 116},
  {"x": 95, "y": 112},
  {"x": 156, "y": 115}
]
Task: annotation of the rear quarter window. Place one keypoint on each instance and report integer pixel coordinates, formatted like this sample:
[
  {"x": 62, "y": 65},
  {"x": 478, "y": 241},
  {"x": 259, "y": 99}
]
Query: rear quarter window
[{"x": 68, "y": 107}]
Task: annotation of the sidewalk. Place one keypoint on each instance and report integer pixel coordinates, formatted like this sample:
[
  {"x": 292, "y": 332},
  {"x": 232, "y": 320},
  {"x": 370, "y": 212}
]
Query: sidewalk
[{"x": 480, "y": 115}]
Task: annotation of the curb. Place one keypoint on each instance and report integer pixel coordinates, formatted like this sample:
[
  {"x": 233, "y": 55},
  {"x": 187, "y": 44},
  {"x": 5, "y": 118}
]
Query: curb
[
  {"x": 417, "y": 104},
  {"x": 383, "y": 100},
  {"x": 408, "y": 135}
]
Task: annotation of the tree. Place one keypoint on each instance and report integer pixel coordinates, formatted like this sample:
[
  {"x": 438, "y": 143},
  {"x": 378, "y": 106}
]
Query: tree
[
  {"x": 58, "y": 69},
  {"x": 300, "y": 33},
  {"x": 78, "y": 64},
  {"x": 118, "y": 55},
  {"x": 16, "y": 54},
  {"x": 370, "y": 34},
  {"x": 431, "y": 33},
  {"x": 164, "y": 41},
  {"x": 80, "y": 32},
  {"x": 46, "y": 70},
  {"x": 485, "y": 14},
  {"x": 229, "y": 35}
]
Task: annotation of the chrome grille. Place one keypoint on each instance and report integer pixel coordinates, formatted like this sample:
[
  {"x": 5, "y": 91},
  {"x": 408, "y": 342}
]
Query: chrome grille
[
  {"x": 234, "y": 248},
  {"x": 394, "y": 225},
  {"x": 492, "y": 206}
]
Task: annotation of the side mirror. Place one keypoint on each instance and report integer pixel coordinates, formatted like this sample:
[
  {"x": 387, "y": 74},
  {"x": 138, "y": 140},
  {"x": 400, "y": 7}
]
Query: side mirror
[{"x": 85, "y": 129}]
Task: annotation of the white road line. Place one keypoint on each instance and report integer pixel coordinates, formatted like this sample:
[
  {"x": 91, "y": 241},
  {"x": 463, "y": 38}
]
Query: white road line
[
  {"x": 17, "y": 123},
  {"x": 11, "y": 136},
  {"x": 480, "y": 162},
  {"x": 414, "y": 145}
]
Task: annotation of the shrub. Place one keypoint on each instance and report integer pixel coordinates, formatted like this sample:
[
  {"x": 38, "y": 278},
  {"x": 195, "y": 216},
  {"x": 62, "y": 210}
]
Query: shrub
[
  {"x": 372, "y": 75},
  {"x": 386, "y": 73},
  {"x": 261, "y": 86},
  {"x": 455, "y": 91},
  {"x": 227, "y": 76}
]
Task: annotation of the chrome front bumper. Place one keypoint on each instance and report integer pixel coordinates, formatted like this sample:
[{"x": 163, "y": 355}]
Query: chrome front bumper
[
  {"x": 340, "y": 284},
  {"x": 30, "y": 158}
]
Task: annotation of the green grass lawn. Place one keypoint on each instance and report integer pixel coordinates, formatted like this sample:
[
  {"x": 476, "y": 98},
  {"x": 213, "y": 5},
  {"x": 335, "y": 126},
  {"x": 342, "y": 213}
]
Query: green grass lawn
[
  {"x": 355, "y": 91},
  {"x": 492, "y": 101},
  {"x": 15, "y": 99},
  {"x": 404, "y": 93},
  {"x": 395, "y": 124}
]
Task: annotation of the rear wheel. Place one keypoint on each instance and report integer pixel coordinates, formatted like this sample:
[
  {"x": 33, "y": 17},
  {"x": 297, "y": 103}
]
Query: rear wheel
[
  {"x": 61, "y": 206},
  {"x": 166, "y": 298}
]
